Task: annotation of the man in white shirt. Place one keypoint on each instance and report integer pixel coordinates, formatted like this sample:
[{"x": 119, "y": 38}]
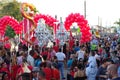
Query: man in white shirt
[
  {"x": 80, "y": 53},
  {"x": 30, "y": 59},
  {"x": 61, "y": 58}
]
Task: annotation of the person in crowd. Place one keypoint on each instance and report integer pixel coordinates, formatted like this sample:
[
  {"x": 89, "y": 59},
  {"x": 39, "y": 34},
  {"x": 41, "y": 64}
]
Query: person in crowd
[
  {"x": 24, "y": 68},
  {"x": 98, "y": 58},
  {"x": 70, "y": 61},
  {"x": 114, "y": 57},
  {"x": 37, "y": 48},
  {"x": 4, "y": 76},
  {"x": 55, "y": 47},
  {"x": 46, "y": 53},
  {"x": 71, "y": 52},
  {"x": 76, "y": 48},
  {"x": 101, "y": 73},
  {"x": 118, "y": 51},
  {"x": 113, "y": 44},
  {"x": 118, "y": 64},
  {"x": 104, "y": 54},
  {"x": 42, "y": 75},
  {"x": 80, "y": 73},
  {"x": 52, "y": 53},
  {"x": 55, "y": 72},
  {"x": 95, "y": 41},
  {"x": 38, "y": 61},
  {"x": 34, "y": 72},
  {"x": 112, "y": 72},
  {"x": 47, "y": 70},
  {"x": 14, "y": 67},
  {"x": 81, "y": 53},
  {"x": 4, "y": 68},
  {"x": 107, "y": 48},
  {"x": 100, "y": 49},
  {"x": 91, "y": 69},
  {"x": 30, "y": 58},
  {"x": 20, "y": 57},
  {"x": 73, "y": 69},
  {"x": 55, "y": 61},
  {"x": 61, "y": 59}
]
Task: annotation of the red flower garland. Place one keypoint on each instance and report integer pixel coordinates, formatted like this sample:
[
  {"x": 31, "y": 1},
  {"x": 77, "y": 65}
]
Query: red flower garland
[
  {"x": 8, "y": 20},
  {"x": 48, "y": 19},
  {"x": 82, "y": 23}
]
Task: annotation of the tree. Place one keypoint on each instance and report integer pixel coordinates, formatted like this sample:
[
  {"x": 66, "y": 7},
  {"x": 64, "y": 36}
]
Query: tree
[
  {"x": 10, "y": 32},
  {"x": 117, "y": 22},
  {"x": 11, "y": 9}
]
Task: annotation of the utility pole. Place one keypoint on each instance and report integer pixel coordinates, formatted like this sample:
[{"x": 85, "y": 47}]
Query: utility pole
[{"x": 85, "y": 8}]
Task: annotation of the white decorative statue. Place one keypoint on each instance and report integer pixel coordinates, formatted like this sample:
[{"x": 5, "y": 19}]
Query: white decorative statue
[{"x": 42, "y": 33}]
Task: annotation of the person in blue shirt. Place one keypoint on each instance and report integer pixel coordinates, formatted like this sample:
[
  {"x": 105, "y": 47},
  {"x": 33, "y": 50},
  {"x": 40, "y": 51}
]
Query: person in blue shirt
[
  {"x": 38, "y": 61},
  {"x": 76, "y": 48}
]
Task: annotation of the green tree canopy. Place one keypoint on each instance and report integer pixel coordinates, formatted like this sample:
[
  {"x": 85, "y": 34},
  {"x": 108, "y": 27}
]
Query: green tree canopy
[
  {"x": 10, "y": 32},
  {"x": 11, "y": 9}
]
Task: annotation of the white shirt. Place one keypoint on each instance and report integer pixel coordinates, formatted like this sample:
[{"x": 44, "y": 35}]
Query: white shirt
[
  {"x": 91, "y": 70},
  {"x": 92, "y": 59},
  {"x": 97, "y": 56},
  {"x": 80, "y": 54},
  {"x": 60, "y": 56},
  {"x": 30, "y": 60}
]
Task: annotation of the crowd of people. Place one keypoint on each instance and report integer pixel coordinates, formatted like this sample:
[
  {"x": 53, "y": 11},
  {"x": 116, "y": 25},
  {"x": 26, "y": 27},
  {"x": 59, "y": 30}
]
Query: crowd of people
[{"x": 97, "y": 60}]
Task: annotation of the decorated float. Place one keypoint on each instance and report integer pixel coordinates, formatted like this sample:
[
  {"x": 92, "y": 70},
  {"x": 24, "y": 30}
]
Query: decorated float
[{"x": 31, "y": 27}]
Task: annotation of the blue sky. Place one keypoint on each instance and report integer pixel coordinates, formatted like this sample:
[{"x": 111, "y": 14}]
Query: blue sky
[{"x": 107, "y": 10}]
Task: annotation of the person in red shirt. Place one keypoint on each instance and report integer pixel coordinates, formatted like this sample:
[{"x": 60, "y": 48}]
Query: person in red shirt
[
  {"x": 24, "y": 68},
  {"x": 14, "y": 69},
  {"x": 4, "y": 68},
  {"x": 46, "y": 53},
  {"x": 55, "y": 72},
  {"x": 41, "y": 75},
  {"x": 46, "y": 70},
  {"x": 55, "y": 47}
]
